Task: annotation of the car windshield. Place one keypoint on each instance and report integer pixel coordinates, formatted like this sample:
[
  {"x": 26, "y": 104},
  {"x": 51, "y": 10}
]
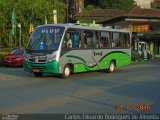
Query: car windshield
[
  {"x": 46, "y": 38},
  {"x": 19, "y": 52}
]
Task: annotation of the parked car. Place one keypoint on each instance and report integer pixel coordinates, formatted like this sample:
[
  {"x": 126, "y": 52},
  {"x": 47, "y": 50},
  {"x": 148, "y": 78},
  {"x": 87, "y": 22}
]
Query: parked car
[{"x": 15, "y": 58}]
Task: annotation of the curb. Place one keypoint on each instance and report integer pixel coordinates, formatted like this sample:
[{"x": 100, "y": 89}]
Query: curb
[{"x": 138, "y": 62}]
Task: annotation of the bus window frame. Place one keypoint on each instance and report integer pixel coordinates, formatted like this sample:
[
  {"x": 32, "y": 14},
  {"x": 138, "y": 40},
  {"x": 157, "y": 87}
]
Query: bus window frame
[
  {"x": 93, "y": 39},
  {"x": 73, "y": 30},
  {"x": 96, "y": 36},
  {"x": 108, "y": 40}
]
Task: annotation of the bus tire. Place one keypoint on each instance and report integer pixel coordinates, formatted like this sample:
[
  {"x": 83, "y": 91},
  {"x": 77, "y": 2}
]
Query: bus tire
[
  {"x": 66, "y": 72},
  {"x": 111, "y": 67},
  {"x": 37, "y": 74}
]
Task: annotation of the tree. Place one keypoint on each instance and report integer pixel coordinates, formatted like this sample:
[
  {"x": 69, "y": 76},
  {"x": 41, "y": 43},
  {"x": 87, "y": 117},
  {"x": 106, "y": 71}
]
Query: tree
[
  {"x": 117, "y": 4},
  {"x": 156, "y": 4},
  {"x": 26, "y": 12}
]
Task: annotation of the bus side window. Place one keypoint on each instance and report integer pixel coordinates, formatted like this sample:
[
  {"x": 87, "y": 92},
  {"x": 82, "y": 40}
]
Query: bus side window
[
  {"x": 72, "y": 40},
  {"x": 88, "y": 39},
  {"x": 104, "y": 39},
  {"x": 69, "y": 41},
  {"x": 96, "y": 37},
  {"x": 120, "y": 44},
  {"x": 116, "y": 39},
  {"x": 75, "y": 40},
  {"x": 85, "y": 42},
  {"x": 101, "y": 39},
  {"x": 126, "y": 40}
]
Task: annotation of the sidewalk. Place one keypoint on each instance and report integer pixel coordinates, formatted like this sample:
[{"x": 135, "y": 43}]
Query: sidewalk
[{"x": 145, "y": 61}]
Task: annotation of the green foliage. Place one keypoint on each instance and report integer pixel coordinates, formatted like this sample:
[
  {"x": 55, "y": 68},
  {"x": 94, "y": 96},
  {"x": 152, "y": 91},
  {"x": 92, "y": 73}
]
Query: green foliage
[
  {"x": 90, "y": 7},
  {"x": 2, "y": 54},
  {"x": 117, "y": 4},
  {"x": 27, "y": 11}
]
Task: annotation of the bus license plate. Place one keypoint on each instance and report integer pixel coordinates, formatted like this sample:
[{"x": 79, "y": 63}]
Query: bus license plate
[{"x": 36, "y": 70}]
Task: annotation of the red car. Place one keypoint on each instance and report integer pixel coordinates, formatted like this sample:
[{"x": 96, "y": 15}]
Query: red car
[{"x": 15, "y": 58}]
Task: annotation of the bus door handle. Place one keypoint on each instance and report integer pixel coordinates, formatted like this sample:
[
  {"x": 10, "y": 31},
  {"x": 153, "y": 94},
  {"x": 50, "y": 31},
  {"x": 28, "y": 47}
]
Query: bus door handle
[{"x": 97, "y": 53}]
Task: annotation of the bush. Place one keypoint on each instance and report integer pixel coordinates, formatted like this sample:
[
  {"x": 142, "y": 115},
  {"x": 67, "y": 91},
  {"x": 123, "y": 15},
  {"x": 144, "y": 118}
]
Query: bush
[{"x": 2, "y": 54}]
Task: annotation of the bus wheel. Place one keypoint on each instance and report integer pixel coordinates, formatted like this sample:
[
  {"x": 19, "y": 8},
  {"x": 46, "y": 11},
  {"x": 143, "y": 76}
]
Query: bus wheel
[
  {"x": 66, "y": 71},
  {"x": 37, "y": 74},
  {"x": 111, "y": 67}
]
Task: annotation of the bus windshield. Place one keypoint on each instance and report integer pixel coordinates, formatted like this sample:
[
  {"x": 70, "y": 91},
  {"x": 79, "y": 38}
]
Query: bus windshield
[{"x": 46, "y": 38}]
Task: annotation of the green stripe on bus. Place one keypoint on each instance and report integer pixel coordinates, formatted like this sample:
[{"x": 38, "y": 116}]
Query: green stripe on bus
[{"x": 121, "y": 60}]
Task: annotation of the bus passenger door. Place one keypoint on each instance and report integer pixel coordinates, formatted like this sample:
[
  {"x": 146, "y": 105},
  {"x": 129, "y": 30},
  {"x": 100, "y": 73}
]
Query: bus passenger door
[
  {"x": 90, "y": 55},
  {"x": 96, "y": 56},
  {"x": 102, "y": 40},
  {"x": 97, "y": 53}
]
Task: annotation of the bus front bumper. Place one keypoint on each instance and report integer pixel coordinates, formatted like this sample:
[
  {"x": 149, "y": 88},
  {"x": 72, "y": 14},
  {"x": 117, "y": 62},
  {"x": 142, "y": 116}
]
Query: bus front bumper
[{"x": 49, "y": 67}]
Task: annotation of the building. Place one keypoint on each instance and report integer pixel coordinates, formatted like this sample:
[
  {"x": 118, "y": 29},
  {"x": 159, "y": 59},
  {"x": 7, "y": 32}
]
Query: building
[
  {"x": 97, "y": 15},
  {"x": 73, "y": 7},
  {"x": 144, "y": 24},
  {"x": 143, "y": 21},
  {"x": 144, "y": 3}
]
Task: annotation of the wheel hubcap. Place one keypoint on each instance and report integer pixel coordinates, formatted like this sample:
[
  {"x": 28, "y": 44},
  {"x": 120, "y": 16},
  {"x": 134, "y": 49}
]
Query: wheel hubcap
[
  {"x": 112, "y": 67},
  {"x": 67, "y": 71}
]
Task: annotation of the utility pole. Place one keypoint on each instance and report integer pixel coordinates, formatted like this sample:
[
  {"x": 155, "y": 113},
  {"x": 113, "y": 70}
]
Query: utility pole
[
  {"x": 67, "y": 7},
  {"x": 20, "y": 33},
  {"x": 54, "y": 16}
]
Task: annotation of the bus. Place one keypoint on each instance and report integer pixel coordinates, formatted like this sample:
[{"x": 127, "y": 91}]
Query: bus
[{"x": 64, "y": 49}]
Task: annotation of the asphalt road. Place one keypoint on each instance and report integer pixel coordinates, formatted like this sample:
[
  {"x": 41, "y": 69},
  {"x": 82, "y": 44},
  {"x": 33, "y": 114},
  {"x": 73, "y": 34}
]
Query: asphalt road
[{"x": 131, "y": 89}]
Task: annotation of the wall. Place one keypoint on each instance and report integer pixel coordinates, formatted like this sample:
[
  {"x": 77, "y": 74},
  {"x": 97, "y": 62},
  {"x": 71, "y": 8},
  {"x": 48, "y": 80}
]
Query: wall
[{"x": 144, "y": 3}]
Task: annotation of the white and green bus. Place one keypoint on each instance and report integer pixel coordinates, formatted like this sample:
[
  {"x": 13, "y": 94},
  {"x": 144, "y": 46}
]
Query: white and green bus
[{"x": 68, "y": 48}]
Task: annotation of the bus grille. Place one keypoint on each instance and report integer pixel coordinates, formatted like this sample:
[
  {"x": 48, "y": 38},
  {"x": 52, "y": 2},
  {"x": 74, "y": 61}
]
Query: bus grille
[
  {"x": 38, "y": 59},
  {"x": 38, "y": 67}
]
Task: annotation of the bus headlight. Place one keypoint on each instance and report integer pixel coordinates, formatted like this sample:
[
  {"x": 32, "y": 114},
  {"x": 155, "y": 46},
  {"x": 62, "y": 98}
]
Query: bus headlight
[
  {"x": 52, "y": 58},
  {"x": 20, "y": 58}
]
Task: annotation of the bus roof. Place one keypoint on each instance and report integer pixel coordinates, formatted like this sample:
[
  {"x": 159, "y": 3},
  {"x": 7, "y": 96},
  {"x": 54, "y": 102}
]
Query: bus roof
[{"x": 78, "y": 26}]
